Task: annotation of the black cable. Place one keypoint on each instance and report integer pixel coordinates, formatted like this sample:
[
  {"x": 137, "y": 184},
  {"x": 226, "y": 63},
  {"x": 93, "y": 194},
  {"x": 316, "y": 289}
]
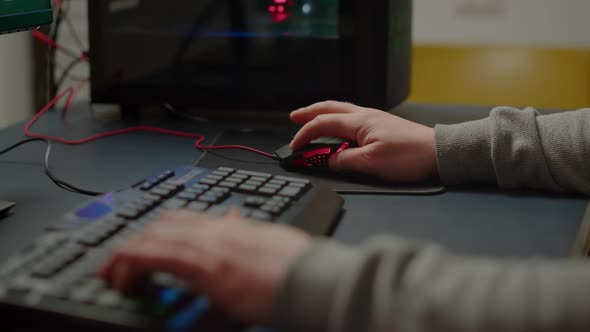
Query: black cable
[
  {"x": 219, "y": 155},
  {"x": 60, "y": 183},
  {"x": 66, "y": 74}
]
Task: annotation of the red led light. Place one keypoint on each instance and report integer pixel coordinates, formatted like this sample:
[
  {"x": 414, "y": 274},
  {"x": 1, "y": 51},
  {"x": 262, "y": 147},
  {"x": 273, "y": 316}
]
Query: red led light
[{"x": 279, "y": 11}]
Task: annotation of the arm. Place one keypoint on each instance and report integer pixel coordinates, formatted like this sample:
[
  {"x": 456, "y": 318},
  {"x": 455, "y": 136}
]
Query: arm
[
  {"x": 518, "y": 148},
  {"x": 395, "y": 285}
]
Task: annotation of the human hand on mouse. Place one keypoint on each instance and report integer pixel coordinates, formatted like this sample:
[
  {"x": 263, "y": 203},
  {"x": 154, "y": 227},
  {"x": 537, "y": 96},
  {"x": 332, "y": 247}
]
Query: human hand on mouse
[
  {"x": 390, "y": 147},
  {"x": 238, "y": 264}
]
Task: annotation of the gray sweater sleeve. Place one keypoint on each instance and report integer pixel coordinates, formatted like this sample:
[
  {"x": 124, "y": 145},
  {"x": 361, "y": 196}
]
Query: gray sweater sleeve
[
  {"x": 518, "y": 148},
  {"x": 394, "y": 284}
]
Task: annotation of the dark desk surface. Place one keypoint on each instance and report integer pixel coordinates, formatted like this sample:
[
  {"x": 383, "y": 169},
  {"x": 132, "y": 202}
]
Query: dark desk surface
[{"x": 471, "y": 221}]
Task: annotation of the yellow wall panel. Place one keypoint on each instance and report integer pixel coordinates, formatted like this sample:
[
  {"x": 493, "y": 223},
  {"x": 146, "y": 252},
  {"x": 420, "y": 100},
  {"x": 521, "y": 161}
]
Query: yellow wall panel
[{"x": 502, "y": 75}]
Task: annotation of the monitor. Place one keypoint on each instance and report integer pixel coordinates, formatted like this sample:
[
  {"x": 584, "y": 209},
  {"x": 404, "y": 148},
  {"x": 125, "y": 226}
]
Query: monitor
[
  {"x": 258, "y": 55},
  {"x": 17, "y": 15}
]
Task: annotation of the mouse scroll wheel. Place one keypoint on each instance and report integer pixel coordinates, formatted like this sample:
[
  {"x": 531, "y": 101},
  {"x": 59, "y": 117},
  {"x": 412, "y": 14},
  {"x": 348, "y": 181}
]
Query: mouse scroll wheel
[{"x": 317, "y": 152}]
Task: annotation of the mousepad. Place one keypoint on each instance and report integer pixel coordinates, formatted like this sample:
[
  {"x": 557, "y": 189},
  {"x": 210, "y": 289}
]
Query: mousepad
[{"x": 271, "y": 140}]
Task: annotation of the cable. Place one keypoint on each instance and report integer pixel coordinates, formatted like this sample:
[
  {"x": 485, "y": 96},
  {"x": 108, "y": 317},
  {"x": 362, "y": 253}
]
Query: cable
[
  {"x": 66, "y": 74},
  {"x": 60, "y": 183},
  {"x": 45, "y": 39},
  {"x": 72, "y": 92}
]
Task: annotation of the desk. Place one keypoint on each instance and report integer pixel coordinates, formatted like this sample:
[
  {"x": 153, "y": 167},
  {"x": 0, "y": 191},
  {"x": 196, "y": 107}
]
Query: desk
[{"x": 470, "y": 221}]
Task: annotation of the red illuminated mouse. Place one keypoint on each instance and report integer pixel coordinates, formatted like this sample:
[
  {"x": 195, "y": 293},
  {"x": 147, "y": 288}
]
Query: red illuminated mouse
[{"x": 315, "y": 155}]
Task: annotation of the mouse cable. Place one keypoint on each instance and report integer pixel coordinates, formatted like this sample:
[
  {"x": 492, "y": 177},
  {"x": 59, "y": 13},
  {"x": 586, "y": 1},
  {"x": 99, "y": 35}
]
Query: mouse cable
[{"x": 60, "y": 183}]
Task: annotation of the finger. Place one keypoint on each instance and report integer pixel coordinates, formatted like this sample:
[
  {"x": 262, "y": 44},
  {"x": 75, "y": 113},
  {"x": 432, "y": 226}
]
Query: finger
[
  {"x": 352, "y": 160},
  {"x": 172, "y": 231},
  {"x": 183, "y": 215},
  {"x": 233, "y": 214},
  {"x": 131, "y": 265},
  {"x": 306, "y": 114},
  {"x": 333, "y": 125}
]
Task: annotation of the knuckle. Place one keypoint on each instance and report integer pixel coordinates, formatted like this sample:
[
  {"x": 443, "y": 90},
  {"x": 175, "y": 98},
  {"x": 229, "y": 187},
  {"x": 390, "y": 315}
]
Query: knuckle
[
  {"x": 331, "y": 104},
  {"x": 321, "y": 120}
]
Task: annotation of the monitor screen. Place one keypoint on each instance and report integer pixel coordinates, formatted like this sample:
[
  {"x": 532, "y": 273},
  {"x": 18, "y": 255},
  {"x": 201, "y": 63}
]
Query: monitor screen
[
  {"x": 226, "y": 19},
  {"x": 178, "y": 50},
  {"x": 22, "y": 14}
]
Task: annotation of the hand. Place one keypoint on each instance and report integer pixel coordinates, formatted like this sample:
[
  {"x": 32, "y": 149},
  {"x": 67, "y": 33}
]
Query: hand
[
  {"x": 238, "y": 264},
  {"x": 390, "y": 147}
]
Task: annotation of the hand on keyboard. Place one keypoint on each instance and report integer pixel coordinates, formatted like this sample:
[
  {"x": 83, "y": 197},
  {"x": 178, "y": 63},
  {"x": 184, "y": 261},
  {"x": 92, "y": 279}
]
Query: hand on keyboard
[{"x": 238, "y": 264}]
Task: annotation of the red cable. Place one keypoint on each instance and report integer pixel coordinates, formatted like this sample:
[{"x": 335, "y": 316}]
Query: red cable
[
  {"x": 73, "y": 91},
  {"x": 45, "y": 39}
]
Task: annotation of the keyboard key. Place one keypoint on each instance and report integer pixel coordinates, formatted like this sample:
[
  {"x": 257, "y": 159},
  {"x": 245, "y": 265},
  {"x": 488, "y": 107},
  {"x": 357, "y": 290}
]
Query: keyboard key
[
  {"x": 253, "y": 183},
  {"x": 208, "y": 181},
  {"x": 258, "y": 179},
  {"x": 239, "y": 176},
  {"x": 255, "y": 202},
  {"x": 261, "y": 215},
  {"x": 194, "y": 191},
  {"x": 109, "y": 298},
  {"x": 129, "y": 213},
  {"x": 161, "y": 192},
  {"x": 175, "y": 203},
  {"x": 234, "y": 180},
  {"x": 290, "y": 179},
  {"x": 21, "y": 285},
  {"x": 230, "y": 185},
  {"x": 220, "y": 173},
  {"x": 198, "y": 206},
  {"x": 267, "y": 191},
  {"x": 215, "y": 177},
  {"x": 283, "y": 199},
  {"x": 273, "y": 186},
  {"x": 200, "y": 186},
  {"x": 275, "y": 210},
  {"x": 255, "y": 174},
  {"x": 82, "y": 295},
  {"x": 150, "y": 198},
  {"x": 278, "y": 182},
  {"x": 208, "y": 199},
  {"x": 224, "y": 191},
  {"x": 226, "y": 169},
  {"x": 188, "y": 196},
  {"x": 58, "y": 261},
  {"x": 297, "y": 184},
  {"x": 291, "y": 192}
]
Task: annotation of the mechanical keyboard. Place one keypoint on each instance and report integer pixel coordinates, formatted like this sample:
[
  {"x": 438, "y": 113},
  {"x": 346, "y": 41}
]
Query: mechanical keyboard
[{"x": 52, "y": 284}]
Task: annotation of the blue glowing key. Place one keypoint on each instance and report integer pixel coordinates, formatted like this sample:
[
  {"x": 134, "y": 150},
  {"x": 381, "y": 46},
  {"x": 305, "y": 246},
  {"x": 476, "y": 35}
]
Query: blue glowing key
[
  {"x": 188, "y": 317},
  {"x": 169, "y": 296}
]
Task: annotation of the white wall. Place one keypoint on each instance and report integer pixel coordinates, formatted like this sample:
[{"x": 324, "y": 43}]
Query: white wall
[
  {"x": 562, "y": 23},
  {"x": 16, "y": 78}
]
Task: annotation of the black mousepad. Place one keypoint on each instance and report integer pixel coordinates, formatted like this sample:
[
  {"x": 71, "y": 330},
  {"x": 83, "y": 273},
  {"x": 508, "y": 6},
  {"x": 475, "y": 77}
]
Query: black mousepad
[{"x": 271, "y": 140}]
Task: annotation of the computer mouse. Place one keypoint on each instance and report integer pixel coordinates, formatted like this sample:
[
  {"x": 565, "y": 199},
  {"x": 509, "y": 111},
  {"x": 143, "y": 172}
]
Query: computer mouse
[{"x": 314, "y": 156}]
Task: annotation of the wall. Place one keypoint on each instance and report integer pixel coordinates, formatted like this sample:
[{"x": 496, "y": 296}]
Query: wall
[
  {"x": 16, "y": 78},
  {"x": 561, "y": 23},
  {"x": 502, "y": 52}
]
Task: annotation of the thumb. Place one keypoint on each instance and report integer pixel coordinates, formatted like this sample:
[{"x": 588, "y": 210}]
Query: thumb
[{"x": 350, "y": 160}]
